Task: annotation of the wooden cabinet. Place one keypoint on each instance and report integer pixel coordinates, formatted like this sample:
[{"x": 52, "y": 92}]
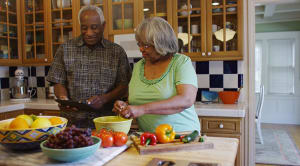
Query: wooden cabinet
[
  {"x": 122, "y": 16},
  {"x": 11, "y": 114},
  {"x": 209, "y": 29},
  {"x": 37, "y": 28},
  {"x": 10, "y": 32},
  {"x": 34, "y": 32},
  {"x": 155, "y": 8},
  {"x": 225, "y": 127}
]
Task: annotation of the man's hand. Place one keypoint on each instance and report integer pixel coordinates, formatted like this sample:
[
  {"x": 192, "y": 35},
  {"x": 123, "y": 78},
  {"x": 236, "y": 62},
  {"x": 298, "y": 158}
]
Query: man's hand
[
  {"x": 96, "y": 102},
  {"x": 65, "y": 108}
]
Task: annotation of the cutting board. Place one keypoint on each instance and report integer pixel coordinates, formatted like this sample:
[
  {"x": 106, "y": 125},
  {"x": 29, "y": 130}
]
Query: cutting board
[
  {"x": 170, "y": 147},
  {"x": 167, "y": 162}
]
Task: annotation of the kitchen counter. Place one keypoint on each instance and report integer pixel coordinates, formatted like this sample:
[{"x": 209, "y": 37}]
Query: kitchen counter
[
  {"x": 223, "y": 153},
  {"x": 222, "y": 110},
  {"x": 46, "y": 104}
]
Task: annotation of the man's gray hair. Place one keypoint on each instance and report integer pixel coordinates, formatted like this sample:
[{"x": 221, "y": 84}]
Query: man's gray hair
[
  {"x": 92, "y": 8},
  {"x": 159, "y": 33}
]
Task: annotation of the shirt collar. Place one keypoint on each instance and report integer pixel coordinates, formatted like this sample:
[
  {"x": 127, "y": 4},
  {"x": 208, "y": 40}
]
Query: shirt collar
[{"x": 81, "y": 42}]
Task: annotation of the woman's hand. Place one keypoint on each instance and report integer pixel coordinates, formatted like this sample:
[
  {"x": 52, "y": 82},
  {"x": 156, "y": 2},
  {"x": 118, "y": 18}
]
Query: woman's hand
[
  {"x": 127, "y": 111},
  {"x": 119, "y": 106}
]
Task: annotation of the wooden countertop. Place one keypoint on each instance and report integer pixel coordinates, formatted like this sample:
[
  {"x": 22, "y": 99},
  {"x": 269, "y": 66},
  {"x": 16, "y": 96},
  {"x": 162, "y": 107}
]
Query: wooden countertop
[{"x": 223, "y": 153}]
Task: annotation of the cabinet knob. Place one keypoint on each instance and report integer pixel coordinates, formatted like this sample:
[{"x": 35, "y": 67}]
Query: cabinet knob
[
  {"x": 203, "y": 53},
  {"x": 221, "y": 126},
  {"x": 46, "y": 60},
  {"x": 40, "y": 114},
  {"x": 209, "y": 53}
]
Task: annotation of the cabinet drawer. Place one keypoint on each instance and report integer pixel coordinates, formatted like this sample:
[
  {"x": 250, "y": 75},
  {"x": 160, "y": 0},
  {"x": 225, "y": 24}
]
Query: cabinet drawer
[{"x": 221, "y": 125}]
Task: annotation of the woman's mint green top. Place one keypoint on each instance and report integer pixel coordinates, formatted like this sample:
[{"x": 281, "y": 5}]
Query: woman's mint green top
[{"x": 142, "y": 91}]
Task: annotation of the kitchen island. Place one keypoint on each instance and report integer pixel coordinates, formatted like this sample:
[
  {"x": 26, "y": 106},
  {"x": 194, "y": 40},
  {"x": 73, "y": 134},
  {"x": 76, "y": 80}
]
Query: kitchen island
[
  {"x": 223, "y": 153},
  {"x": 217, "y": 120}
]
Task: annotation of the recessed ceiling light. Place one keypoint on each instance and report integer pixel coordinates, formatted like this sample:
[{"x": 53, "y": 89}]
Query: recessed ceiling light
[
  {"x": 215, "y": 3},
  {"x": 146, "y": 9}
]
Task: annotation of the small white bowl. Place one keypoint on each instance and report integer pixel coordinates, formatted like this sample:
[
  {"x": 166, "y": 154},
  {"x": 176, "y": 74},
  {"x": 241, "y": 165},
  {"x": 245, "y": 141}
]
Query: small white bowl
[{"x": 231, "y": 9}]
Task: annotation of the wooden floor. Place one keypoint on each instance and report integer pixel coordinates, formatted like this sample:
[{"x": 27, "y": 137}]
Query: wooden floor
[{"x": 294, "y": 131}]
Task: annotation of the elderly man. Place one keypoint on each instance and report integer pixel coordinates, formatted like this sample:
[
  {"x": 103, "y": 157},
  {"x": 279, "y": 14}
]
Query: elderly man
[{"x": 89, "y": 68}]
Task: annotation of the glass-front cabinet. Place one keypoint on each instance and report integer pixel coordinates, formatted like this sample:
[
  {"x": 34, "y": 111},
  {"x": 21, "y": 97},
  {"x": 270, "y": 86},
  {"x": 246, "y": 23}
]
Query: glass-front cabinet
[
  {"x": 155, "y": 8},
  {"x": 35, "y": 41},
  {"x": 61, "y": 19},
  {"x": 190, "y": 25},
  {"x": 209, "y": 29},
  {"x": 122, "y": 16},
  {"x": 224, "y": 29},
  {"x": 10, "y": 42}
]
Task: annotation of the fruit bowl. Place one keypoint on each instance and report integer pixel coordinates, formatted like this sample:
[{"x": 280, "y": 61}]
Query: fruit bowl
[
  {"x": 114, "y": 123},
  {"x": 25, "y": 139},
  {"x": 229, "y": 97},
  {"x": 71, "y": 155}
]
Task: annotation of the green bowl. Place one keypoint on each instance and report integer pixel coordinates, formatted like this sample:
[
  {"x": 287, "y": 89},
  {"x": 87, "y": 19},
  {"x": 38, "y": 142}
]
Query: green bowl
[
  {"x": 70, "y": 155},
  {"x": 127, "y": 23},
  {"x": 114, "y": 123}
]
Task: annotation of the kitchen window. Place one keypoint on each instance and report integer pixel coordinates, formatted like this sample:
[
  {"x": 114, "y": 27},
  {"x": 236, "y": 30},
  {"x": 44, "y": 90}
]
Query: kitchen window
[
  {"x": 281, "y": 66},
  {"x": 275, "y": 63}
]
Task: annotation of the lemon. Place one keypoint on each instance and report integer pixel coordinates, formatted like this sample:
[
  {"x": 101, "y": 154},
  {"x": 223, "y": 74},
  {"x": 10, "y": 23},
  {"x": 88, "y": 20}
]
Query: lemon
[
  {"x": 27, "y": 118},
  {"x": 41, "y": 123},
  {"x": 18, "y": 123},
  {"x": 55, "y": 120}
]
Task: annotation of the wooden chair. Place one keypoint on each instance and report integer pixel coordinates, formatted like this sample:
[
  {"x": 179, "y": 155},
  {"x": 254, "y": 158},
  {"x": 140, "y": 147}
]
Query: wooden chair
[{"x": 258, "y": 113}]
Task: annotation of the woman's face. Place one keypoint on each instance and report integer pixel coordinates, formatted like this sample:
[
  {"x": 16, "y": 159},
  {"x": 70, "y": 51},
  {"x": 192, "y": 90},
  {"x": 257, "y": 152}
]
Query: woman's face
[{"x": 148, "y": 51}]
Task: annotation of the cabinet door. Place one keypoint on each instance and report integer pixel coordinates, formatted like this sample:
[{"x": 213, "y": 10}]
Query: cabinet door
[
  {"x": 224, "y": 29},
  {"x": 101, "y": 4},
  {"x": 34, "y": 31},
  {"x": 13, "y": 114},
  {"x": 155, "y": 8},
  {"x": 34, "y": 112},
  {"x": 62, "y": 19},
  {"x": 10, "y": 39},
  {"x": 51, "y": 113},
  {"x": 122, "y": 16},
  {"x": 190, "y": 24}
]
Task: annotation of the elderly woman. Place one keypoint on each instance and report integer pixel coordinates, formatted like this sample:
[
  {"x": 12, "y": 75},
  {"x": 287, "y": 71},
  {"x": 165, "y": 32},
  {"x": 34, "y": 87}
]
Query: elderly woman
[{"x": 163, "y": 85}]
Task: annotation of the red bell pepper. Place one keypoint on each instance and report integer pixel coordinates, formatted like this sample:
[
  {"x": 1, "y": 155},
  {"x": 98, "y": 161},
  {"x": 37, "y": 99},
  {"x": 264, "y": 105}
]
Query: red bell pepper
[{"x": 148, "y": 139}]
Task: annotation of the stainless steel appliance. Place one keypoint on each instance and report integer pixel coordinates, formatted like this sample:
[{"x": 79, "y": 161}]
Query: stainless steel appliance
[{"x": 19, "y": 89}]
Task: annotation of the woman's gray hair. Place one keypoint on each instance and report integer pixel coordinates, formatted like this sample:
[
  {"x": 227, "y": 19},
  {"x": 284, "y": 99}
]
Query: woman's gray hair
[
  {"x": 92, "y": 8},
  {"x": 159, "y": 33}
]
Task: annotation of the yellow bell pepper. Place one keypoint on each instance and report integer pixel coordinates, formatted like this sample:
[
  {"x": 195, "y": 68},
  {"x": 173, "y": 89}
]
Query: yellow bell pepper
[{"x": 165, "y": 133}]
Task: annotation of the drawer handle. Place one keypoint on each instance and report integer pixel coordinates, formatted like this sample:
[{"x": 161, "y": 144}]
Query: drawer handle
[{"x": 221, "y": 126}]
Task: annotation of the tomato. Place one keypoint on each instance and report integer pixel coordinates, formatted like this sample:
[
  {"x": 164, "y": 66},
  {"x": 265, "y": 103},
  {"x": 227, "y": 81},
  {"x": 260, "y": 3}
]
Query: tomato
[
  {"x": 120, "y": 138},
  {"x": 105, "y": 130},
  {"x": 94, "y": 133},
  {"x": 107, "y": 140}
]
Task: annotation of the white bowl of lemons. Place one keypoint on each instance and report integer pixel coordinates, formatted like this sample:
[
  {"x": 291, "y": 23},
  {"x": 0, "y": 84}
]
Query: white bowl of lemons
[{"x": 28, "y": 131}]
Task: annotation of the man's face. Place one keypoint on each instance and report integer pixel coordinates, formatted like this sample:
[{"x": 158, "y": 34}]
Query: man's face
[{"x": 91, "y": 28}]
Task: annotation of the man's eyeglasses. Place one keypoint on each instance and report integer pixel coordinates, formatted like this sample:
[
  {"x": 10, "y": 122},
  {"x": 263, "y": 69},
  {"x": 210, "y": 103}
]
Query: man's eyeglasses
[{"x": 144, "y": 46}]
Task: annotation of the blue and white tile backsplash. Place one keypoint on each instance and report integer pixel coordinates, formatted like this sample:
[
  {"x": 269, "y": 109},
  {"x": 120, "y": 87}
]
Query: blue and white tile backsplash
[{"x": 212, "y": 75}]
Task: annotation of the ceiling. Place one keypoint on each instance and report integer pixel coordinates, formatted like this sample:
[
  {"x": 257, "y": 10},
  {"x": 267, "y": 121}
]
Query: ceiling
[{"x": 268, "y": 11}]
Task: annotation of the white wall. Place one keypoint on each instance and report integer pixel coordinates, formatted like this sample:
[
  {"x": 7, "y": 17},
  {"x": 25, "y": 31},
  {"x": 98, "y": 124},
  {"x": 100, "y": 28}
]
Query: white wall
[{"x": 283, "y": 109}]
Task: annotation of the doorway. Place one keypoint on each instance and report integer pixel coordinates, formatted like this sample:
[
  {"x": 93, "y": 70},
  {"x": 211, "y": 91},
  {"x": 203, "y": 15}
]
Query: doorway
[{"x": 277, "y": 67}]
